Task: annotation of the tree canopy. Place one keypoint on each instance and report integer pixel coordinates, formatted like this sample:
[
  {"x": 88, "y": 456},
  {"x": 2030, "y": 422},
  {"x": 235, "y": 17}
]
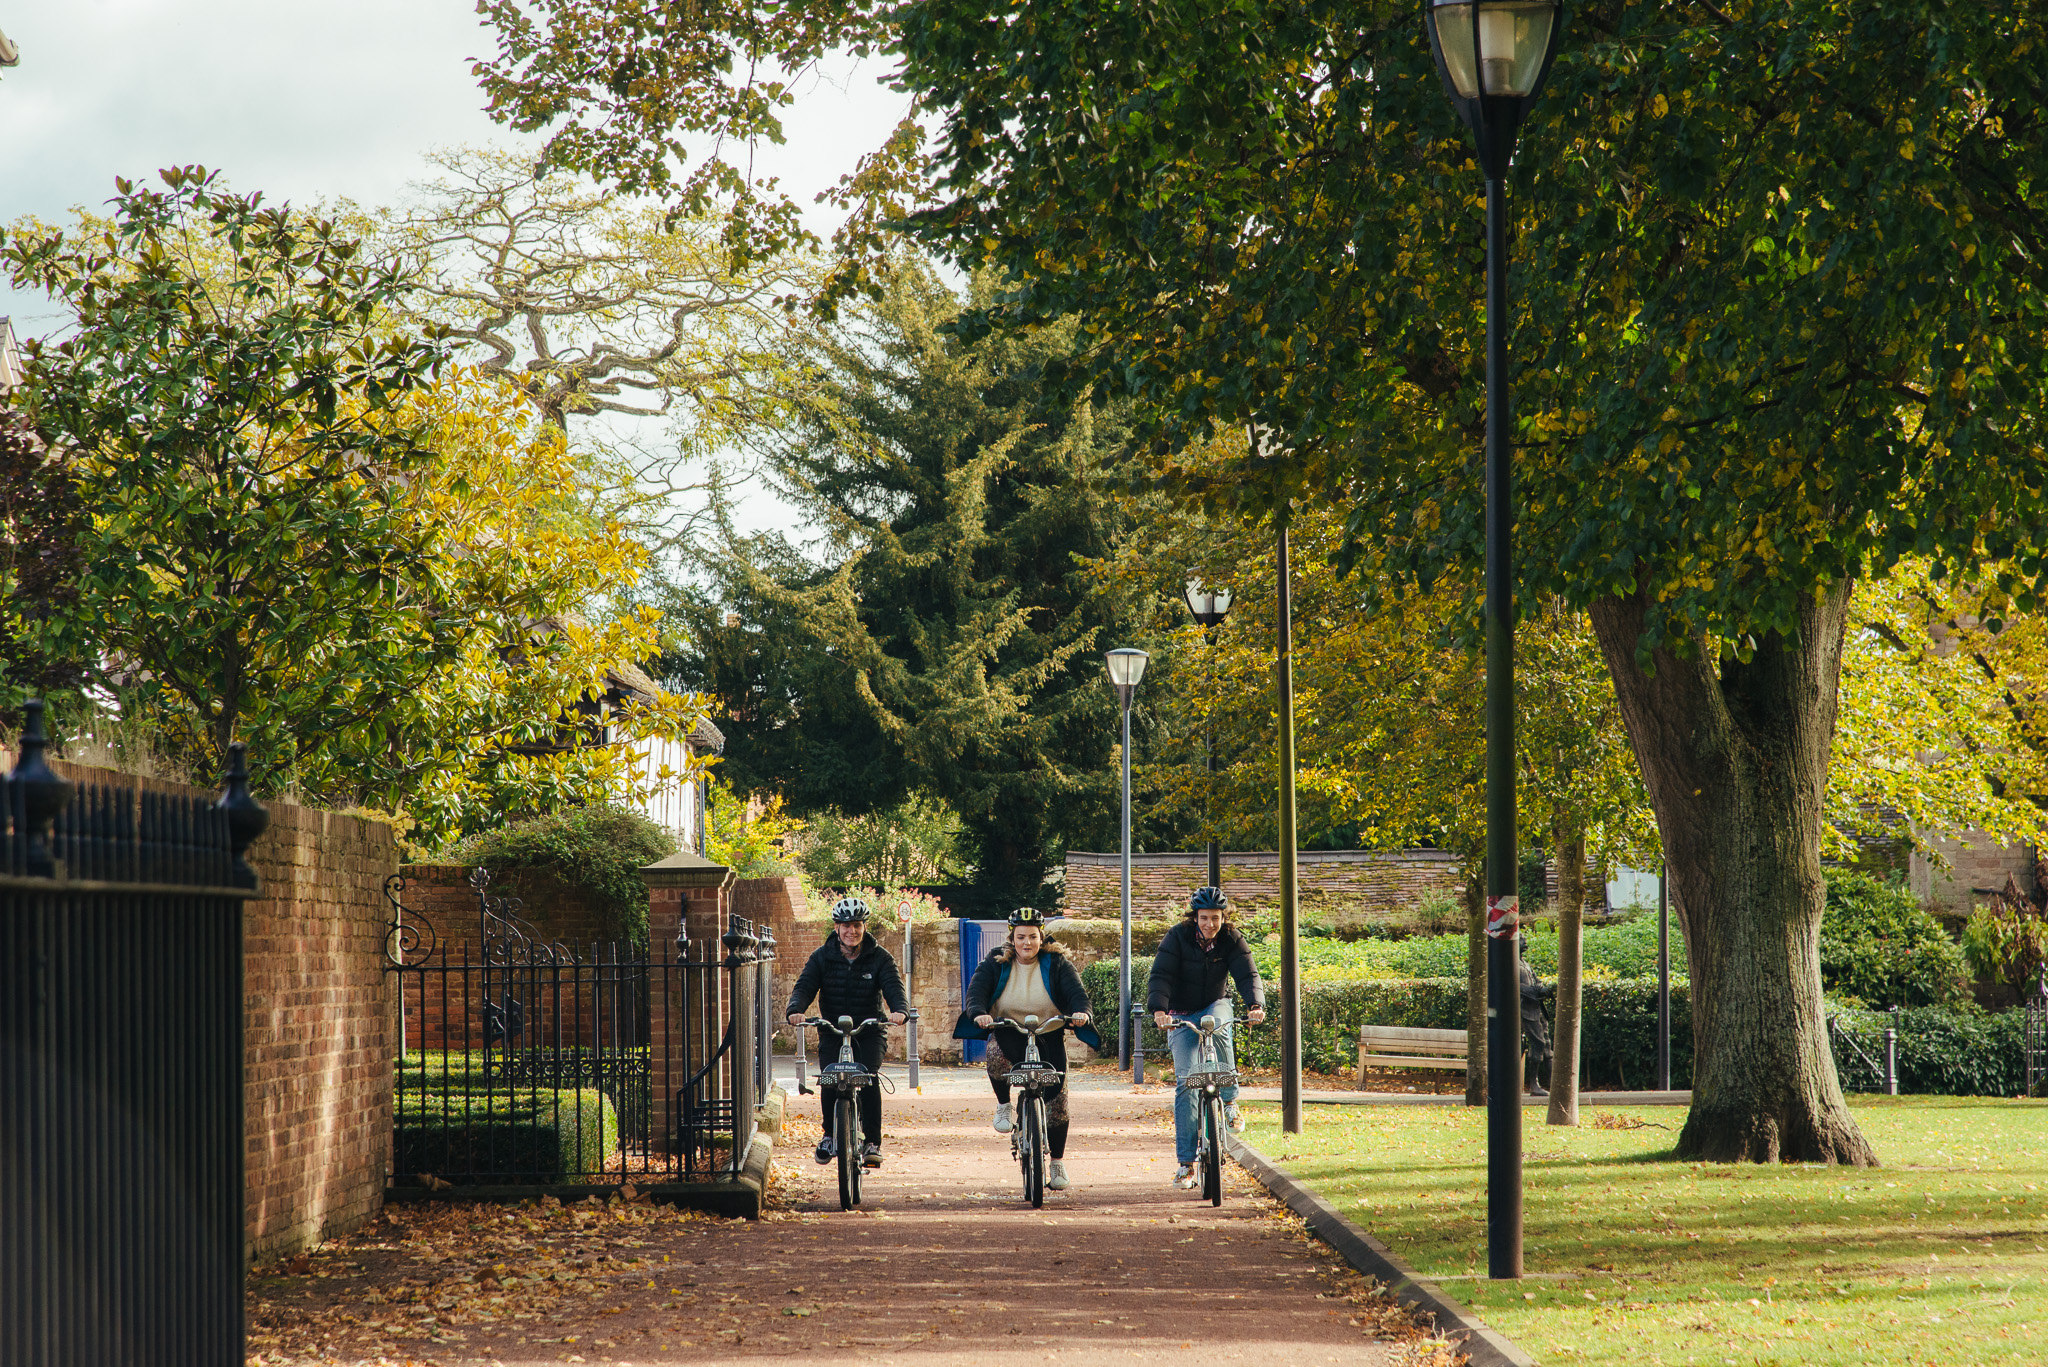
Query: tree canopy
[{"x": 949, "y": 641}]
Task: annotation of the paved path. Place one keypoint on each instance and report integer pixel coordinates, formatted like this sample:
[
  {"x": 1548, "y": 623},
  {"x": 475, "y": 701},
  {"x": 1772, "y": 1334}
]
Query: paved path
[{"x": 945, "y": 1264}]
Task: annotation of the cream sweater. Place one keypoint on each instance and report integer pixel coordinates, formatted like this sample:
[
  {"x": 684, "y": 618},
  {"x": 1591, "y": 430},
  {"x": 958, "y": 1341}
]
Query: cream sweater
[{"x": 1025, "y": 995}]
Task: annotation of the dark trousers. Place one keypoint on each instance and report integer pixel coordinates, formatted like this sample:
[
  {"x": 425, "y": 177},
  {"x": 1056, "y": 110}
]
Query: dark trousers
[
  {"x": 1006, "y": 1047},
  {"x": 867, "y": 1051}
]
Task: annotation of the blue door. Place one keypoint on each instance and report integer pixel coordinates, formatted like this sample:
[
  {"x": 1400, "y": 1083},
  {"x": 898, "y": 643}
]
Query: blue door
[{"x": 977, "y": 938}]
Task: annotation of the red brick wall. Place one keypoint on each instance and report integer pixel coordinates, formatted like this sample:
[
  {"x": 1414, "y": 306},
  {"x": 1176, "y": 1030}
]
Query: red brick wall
[
  {"x": 318, "y": 1040},
  {"x": 780, "y": 904},
  {"x": 442, "y": 893},
  {"x": 1343, "y": 887}
]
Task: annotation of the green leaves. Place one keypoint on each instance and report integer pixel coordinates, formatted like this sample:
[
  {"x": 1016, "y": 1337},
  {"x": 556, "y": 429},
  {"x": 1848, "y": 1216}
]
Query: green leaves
[
  {"x": 228, "y": 421},
  {"x": 1758, "y": 349}
]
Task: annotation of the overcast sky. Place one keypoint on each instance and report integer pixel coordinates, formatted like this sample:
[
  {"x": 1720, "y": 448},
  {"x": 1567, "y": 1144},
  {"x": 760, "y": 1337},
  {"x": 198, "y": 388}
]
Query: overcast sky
[{"x": 301, "y": 99}]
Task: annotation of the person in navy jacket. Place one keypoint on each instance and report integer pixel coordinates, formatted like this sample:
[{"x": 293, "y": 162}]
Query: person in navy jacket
[{"x": 1028, "y": 976}]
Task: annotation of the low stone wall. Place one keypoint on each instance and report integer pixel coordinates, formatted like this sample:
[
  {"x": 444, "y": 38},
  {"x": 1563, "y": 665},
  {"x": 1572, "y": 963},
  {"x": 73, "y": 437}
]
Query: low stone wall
[
  {"x": 1347, "y": 889},
  {"x": 318, "y": 1033},
  {"x": 1975, "y": 872}
]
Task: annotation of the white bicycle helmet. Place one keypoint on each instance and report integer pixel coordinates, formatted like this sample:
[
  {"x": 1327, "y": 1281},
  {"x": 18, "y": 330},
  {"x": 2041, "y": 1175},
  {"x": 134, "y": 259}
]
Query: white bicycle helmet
[{"x": 849, "y": 909}]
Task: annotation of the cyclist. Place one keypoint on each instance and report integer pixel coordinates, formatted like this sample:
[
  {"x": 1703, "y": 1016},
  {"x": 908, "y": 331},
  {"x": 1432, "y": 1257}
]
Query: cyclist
[
  {"x": 1190, "y": 977},
  {"x": 1028, "y": 975},
  {"x": 851, "y": 975}
]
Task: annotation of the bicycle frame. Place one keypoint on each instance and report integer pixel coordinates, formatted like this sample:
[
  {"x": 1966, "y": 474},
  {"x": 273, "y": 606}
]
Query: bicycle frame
[
  {"x": 1035, "y": 1077},
  {"x": 844, "y": 1080},
  {"x": 1208, "y": 1079}
]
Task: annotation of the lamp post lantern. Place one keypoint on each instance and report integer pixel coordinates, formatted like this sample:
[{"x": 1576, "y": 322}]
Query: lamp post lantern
[
  {"x": 1493, "y": 56},
  {"x": 1126, "y": 667},
  {"x": 1209, "y": 607}
]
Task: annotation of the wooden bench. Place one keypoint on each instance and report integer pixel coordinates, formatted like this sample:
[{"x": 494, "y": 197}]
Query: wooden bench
[{"x": 1409, "y": 1046}]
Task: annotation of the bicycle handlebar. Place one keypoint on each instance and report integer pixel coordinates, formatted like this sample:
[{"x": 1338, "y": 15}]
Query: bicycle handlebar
[
  {"x": 837, "y": 1028},
  {"x": 1048, "y": 1026}
]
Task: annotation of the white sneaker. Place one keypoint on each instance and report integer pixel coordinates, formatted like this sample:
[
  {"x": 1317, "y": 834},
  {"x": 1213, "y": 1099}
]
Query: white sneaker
[
  {"x": 1185, "y": 1178},
  {"x": 1058, "y": 1180},
  {"x": 1003, "y": 1118},
  {"x": 1232, "y": 1119}
]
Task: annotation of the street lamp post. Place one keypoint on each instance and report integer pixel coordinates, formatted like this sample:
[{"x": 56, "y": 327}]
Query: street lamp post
[
  {"x": 1209, "y": 607},
  {"x": 1126, "y": 667},
  {"x": 1493, "y": 56}
]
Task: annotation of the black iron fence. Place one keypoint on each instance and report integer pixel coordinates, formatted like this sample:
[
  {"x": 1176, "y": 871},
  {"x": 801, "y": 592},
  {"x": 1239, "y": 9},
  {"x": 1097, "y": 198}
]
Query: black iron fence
[
  {"x": 2035, "y": 1039},
  {"x": 121, "y": 1184},
  {"x": 528, "y": 1065}
]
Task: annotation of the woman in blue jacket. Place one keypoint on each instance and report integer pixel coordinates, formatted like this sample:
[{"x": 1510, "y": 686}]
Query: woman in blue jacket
[{"x": 1028, "y": 976}]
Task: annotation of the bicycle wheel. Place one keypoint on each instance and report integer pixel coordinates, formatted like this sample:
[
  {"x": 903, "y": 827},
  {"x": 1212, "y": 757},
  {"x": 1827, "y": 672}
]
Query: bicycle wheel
[
  {"x": 846, "y": 1136},
  {"x": 1034, "y": 1151},
  {"x": 1212, "y": 1148}
]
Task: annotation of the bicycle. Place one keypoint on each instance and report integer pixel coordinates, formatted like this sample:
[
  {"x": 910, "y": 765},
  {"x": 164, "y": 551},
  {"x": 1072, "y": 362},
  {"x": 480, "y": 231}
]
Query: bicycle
[
  {"x": 1210, "y": 1080},
  {"x": 1035, "y": 1077},
  {"x": 846, "y": 1077}
]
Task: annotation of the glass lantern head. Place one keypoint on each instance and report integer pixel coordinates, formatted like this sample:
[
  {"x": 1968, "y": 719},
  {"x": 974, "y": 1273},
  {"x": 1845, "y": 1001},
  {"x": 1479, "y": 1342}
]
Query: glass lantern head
[
  {"x": 1209, "y": 606},
  {"x": 1126, "y": 667},
  {"x": 1493, "y": 56}
]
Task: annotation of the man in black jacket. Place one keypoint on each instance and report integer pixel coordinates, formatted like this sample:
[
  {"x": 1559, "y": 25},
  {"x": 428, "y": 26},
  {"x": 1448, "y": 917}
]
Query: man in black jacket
[
  {"x": 851, "y": 975},
  {"x": 1190, "y": 977}
]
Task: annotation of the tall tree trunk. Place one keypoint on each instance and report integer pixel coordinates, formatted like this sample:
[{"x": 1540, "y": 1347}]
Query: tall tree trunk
[
  {"x": 1735, "y": 757},
  {"x": 1568, "y": 841},
  {"x": 1475, "y": 990}
]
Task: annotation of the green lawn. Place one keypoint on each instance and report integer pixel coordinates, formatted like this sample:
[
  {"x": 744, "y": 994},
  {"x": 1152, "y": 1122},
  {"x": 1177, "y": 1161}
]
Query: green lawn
[{"x": 1939, "y": 1257}]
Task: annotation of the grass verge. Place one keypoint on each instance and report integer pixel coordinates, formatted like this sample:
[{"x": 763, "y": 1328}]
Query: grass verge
[{"x": 1939, "y": 1257}]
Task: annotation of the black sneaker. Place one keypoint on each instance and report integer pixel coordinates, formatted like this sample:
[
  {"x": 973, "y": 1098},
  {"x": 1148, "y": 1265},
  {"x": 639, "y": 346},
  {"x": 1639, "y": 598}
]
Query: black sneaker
[
  {"x": 828, "y": 1149},
  {"x": 871, "y": 1155}
]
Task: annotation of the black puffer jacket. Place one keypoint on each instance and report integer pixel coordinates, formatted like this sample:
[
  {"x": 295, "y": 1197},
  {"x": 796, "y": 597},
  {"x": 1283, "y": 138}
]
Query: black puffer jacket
[
  {"x": 855, "y": 987},
  {"x": 1186, "y": 978}
]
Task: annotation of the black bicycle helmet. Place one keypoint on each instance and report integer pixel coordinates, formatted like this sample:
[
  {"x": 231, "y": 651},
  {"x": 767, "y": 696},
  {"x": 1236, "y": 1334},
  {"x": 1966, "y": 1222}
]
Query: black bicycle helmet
[
  {"x": 1208, "y": 899},
  {"x": 1028, "y": 916},
  {"x": 848, "y": 909}
]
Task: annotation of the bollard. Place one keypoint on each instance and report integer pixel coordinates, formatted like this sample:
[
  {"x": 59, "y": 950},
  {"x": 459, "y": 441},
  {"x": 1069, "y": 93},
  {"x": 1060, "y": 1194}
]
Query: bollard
[
  {"x": 1891, "y": 1055},
  {"x": 1137, "y": 1044},
  {"x": 803, "y": 1086},
  {"x": 910, "y": 1046}
]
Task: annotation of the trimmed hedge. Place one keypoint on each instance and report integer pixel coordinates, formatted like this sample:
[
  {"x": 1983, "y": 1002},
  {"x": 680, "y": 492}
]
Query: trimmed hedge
[
  {"x": 622, "y": 1075},
  {"x": 536, "y": 1135},
  {"x": 1941, "y": 1052},
  {"x": 1627, "y": 948}
]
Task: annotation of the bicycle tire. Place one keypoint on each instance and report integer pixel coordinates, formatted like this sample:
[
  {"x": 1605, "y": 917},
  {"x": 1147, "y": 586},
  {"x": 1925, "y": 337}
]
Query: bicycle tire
[
  {"x": 845, "y": 1135},
  {"x": 1212, "y": 1149},
  {"x": 1034, "y": 1157}
]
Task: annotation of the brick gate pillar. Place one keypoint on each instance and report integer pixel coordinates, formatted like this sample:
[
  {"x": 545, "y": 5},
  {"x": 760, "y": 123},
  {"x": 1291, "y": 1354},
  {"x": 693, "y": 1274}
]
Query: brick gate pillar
[{"x": 685, "y": 892}]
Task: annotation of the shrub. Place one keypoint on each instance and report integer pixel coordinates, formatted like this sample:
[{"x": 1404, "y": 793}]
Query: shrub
[
  {"x": 530, "y": 1135},
  {"x": 1878, "y": 947},
  {"x": 598, "y": 849},
  {"x": 2006, "y": 942}
]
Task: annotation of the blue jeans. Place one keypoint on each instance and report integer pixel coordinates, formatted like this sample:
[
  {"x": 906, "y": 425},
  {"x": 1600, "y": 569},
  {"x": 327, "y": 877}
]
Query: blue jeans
[{"x": 1184, "y": 1044}]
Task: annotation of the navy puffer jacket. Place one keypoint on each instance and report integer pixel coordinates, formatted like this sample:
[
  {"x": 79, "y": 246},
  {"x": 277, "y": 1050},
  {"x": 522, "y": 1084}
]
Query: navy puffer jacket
[{"x": 992, "y": 975}]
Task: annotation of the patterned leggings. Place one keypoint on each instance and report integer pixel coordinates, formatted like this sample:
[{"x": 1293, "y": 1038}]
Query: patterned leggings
[{"x": 1052, "y": 1049}]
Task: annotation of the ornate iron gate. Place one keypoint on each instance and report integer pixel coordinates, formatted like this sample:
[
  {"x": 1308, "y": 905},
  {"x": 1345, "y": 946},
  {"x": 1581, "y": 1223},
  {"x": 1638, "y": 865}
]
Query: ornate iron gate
[{"x": 529, "y": 1065}]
